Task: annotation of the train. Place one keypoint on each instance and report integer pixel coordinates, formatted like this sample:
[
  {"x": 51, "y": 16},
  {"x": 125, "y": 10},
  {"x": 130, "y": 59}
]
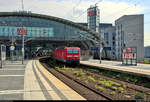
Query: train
[{"x": 69, "y": 55}]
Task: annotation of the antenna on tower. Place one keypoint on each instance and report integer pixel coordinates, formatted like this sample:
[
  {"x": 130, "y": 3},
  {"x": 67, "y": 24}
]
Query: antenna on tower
[
  {"x": 22, "y": 5},
  {"x": 98, "y": 2}
]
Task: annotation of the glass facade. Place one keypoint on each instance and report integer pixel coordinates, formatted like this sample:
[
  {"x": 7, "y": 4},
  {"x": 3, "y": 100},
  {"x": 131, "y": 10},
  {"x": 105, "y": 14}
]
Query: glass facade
[{"x": 37, "y": 28}]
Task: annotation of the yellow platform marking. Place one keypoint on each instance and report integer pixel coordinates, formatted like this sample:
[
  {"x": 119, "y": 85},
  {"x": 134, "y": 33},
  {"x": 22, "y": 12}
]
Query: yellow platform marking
[
  {"x": 67, "y": 91},
  {"x": 11, "y": 91},
  {"x": 31, "y": 86},
  {"x": 5, "y": 69},
  {"x": 51, "y": 92},
  {"x": 10, "y": 75}
]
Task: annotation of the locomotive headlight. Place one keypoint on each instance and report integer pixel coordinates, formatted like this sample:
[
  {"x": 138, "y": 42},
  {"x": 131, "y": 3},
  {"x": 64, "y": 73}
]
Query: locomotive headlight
[
  {"x": 69, "y": 55},
  {"x": 76, "y": 56}
]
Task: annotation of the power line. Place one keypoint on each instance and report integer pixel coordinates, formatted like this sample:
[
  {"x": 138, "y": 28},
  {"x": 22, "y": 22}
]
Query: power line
[
  {"x": 22, "y": 5},
  {"x": 86, "y": 10},
  {"x": 77, "y": 4},
  {"x": 116, "y": 13},
  {"x": 74, "y": 6}
]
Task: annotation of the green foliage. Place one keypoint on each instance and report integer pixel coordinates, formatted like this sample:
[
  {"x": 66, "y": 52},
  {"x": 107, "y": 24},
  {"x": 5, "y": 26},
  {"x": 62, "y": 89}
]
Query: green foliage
[
  {"x": 65, "y": 68},
  {"x": 91, "y": 79},
  {"x": 86, "y": 81},
  {"x": 102, "y": 79},
  {"x": 146, "y": 61},
  {"x": 127, "y": 78},
  {"x": 72, "y": 69},
  {"x": 139, "y": 95},
  {"x": 107, "y": 84},
  {"x": 57, "y": 67},
  {"x": 113, "y": 93},
  {"x": 118, "y": 75},
  {"x": 121, "y": 90},
  {"x": 101, "y": 82},
  {"x": 124, "y": 86},
  {"x": 78, "y": 78},
  {"x": 79, "y": 73},
  {"x": 114, "y": 88},
  {"x": 114, "y": 83},
  {"x": 100, "y": 88}
]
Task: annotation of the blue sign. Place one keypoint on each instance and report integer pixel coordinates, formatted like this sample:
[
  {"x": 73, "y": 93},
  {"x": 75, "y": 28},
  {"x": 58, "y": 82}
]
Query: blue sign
[
  {"x": 107, "y": 48},
  {"x": 95, "y": 48}
]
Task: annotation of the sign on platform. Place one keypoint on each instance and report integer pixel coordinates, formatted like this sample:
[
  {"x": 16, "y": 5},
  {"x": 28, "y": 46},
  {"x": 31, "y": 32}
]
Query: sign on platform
[
  {"x": 95, "y": 48},
  {"x": 129, "y": 56},
  {"x": 12, "y": 48}
]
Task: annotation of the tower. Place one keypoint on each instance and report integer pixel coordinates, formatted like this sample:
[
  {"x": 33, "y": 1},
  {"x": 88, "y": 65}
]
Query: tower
[{"x": 93, "y": 18}]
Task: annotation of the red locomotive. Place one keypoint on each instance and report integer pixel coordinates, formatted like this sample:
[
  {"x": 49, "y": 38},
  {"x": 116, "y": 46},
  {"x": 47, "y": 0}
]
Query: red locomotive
[{"x": 67, "y": 54}]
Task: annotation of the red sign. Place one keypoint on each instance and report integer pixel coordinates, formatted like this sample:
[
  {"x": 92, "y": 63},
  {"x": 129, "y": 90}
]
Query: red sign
[
  {"x": 90, "y": 13},
  {"x": 20, "y": 31},
  {"x": 128, "y": 53}
]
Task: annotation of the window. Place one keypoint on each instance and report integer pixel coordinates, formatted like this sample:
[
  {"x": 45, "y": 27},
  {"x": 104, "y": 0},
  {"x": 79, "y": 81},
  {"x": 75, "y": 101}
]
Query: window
[
  {"x": 69, "y": 50},
  {"x": 72, "y": 51},
  {"x": 75, "y": 51}
]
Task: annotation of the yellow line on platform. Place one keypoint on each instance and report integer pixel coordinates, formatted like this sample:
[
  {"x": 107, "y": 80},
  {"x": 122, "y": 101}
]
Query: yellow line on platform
[
  {"x": 66, "y": 90},
  {"x": 11, "y": 75},
  {"x": 31, "y": 86},
  {"x": 11, "y": 69},
  {"x": 11, "y": 91},
  {"x": 52, "y": 93}
]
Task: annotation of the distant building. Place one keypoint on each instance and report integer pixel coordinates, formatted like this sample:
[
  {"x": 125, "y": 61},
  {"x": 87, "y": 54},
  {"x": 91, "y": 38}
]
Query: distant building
[
  {"x": 147, "y": 52},
  {"x": 107, "y": 32},
  {"x": 130, "y": 33},
  {"x": 93, "y": 18},
  {"x": 109, "y": 38}
]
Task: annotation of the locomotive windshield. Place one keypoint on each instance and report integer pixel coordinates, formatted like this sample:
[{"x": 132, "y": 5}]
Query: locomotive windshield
[
  {"x": 75, "y": 51},
  {"x": 72, "y": 51}
]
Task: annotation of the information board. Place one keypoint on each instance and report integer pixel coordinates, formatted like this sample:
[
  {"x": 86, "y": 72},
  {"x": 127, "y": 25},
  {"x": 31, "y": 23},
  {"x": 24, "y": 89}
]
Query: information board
[
  {"x": 2, "y": 54},
  {"x": 129, "y": 56}
]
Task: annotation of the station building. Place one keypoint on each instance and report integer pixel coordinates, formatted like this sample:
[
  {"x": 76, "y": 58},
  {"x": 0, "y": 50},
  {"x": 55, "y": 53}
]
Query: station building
[
  {"x": 50, "y": 32},
  {"x": 42, "y": 30}
]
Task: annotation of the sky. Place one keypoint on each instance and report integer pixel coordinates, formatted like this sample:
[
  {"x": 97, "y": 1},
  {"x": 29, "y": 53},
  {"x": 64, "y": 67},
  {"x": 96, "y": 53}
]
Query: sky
[{"x": 75, "y": 10}]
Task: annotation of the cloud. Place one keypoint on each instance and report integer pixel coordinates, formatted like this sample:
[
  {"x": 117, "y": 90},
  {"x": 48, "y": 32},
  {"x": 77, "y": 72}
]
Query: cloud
[
  {"x": 110, "y": 10},
  {"x": 64, "y": 8}
]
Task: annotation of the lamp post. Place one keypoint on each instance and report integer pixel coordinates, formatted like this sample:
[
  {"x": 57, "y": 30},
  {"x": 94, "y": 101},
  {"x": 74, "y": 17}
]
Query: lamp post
[
  {"x": 100, "y": 50},
  {"x": 12, "y": 41},
  {"x": 22, "y": 44},
  {"x": 22, "y": 35}
]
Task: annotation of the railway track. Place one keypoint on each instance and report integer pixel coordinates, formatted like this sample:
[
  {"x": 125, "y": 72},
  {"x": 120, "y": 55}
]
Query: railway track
[
  {"x": 79, "y": 87},
  {"x": 86, "y": 91}
]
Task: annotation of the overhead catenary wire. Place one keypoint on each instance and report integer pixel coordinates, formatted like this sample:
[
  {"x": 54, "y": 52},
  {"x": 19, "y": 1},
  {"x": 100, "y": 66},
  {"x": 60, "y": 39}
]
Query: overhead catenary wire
[
  {"x": 74, "y": 7},
  {"x": 86, "y": 10},
  {"x": 120, "y": 11},
  {"x": 130, "y": 25}
]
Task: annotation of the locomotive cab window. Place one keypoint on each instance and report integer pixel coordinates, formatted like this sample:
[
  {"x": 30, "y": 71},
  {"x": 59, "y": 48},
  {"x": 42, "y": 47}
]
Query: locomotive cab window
[
  {"x": 75, "y": 51},
  {"x": 69, "y": 51}
]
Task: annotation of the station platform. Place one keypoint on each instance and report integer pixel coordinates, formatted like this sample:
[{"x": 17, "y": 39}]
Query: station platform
[
  {"x": 140, "y": 69},
  {"x": 32, "y": 81}
]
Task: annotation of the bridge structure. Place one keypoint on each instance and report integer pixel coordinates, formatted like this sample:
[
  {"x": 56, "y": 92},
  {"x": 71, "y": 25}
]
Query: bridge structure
[{"x": 43, "y": 31}]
